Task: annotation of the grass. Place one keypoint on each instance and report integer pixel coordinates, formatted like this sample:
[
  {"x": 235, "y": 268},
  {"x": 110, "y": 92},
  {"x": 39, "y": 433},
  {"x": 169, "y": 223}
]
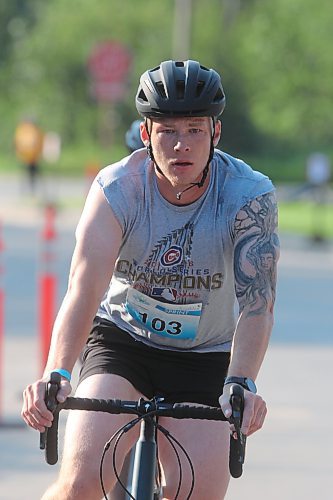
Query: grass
[
  {"x": 289, "y": 168},
  {"x": 306, "y": 218}
]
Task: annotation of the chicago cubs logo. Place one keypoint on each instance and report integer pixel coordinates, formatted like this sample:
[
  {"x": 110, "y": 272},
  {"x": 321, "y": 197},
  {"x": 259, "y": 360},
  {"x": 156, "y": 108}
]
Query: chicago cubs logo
[{"x": 172, "y": 256}]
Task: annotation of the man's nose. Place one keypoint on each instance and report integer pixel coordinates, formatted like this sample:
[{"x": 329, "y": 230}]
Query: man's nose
[{"x": 182, "y": 145}]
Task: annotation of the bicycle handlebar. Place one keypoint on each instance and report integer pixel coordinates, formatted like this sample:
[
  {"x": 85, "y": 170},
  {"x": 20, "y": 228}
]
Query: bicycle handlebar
[{"x": 49, "y": 438}]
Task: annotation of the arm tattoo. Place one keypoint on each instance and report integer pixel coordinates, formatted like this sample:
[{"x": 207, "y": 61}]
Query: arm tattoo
[{"x": 256, "y": 253}]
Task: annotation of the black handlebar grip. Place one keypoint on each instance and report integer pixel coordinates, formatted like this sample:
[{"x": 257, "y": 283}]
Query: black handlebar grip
[
  {"x": 51, "y": 443},
  {"x": 236, "y": 457},
  {"x": 49, "y": 438},
  {"x": 237, "y": 446}
]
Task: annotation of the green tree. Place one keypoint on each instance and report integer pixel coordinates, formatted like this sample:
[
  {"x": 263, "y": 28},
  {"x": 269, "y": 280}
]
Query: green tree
[
  {"x": 16, "y": 19},
  {"x": 274, "y": 59},
  {"x": 285, "y": 66}
]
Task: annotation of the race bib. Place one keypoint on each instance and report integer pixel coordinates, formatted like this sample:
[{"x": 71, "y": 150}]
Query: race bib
[{"x": 168, "y": 320}]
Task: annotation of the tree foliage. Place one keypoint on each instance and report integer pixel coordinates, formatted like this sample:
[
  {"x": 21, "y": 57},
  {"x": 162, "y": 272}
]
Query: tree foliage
[
  {"x": 286, "y": 69},
  {"x": 274, "y": 58}
]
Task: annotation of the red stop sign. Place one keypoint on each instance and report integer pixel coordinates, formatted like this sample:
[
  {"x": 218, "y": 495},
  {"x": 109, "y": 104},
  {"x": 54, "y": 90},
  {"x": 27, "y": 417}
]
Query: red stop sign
[{"x": 109, "y": 64}]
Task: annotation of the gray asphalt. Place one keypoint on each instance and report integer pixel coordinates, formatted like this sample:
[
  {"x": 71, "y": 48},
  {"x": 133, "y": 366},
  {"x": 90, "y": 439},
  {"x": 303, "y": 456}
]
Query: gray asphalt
[{"x": 290, "y": 458}]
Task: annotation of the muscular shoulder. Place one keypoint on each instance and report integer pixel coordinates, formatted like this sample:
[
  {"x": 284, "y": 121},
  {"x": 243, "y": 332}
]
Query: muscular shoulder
[
  {"x": 123, "y": 185},
  {"x": 123, "y": 171},
  {"x": 237, "y": 168},
  {"x": 241, "y": 183}
]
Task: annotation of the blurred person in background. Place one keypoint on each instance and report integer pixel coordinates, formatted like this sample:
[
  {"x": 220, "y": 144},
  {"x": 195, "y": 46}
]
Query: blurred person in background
[
  {"x": 190, "y": 232},
  {"x": 28, "y": 142},
  {"x": 133, "y": 137},
  {"x": 318, "y": 174}
]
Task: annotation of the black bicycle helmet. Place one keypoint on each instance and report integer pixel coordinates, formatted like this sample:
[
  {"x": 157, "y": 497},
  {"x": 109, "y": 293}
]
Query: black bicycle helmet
[{"x": 180, "y": 88}]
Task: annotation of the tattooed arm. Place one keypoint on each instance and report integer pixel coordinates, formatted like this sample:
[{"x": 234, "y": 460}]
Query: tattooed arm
[{"x": 255, "y": 258}]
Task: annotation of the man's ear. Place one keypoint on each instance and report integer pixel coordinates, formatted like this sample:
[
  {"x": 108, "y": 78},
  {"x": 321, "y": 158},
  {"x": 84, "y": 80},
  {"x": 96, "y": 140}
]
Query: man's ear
[
  {"x": 217, "y": 133},
  {"x": 144, "y": 133}
]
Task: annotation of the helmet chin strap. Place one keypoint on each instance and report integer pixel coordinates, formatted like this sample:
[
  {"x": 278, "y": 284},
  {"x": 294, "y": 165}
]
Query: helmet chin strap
[
  {"x": 205, "y": 170},
  {"x": 204, "y": 174}
]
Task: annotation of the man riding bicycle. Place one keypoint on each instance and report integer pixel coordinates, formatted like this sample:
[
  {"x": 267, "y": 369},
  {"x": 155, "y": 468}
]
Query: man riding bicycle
[{"x": 168, "y": 290}]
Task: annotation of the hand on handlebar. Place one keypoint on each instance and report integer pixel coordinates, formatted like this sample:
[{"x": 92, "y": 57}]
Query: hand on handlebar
[
  {"x": 255, "y": 410},
  {"x": 34, "y": 411}
]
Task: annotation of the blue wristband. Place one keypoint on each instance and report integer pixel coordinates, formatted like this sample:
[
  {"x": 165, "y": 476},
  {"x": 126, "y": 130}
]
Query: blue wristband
[{"x": 64, "y": 373}]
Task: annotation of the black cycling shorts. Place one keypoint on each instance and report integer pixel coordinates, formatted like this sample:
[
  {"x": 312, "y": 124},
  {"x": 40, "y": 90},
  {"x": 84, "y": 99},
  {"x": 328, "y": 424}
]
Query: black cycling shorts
[{"x": 177, "y": 376}]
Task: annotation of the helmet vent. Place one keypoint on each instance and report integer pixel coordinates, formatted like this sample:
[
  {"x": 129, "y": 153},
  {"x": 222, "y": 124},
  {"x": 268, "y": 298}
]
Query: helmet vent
[
  {"x": 219, "y": 96},
  {"x": 142, "y": 96},
  {"x": 161, "y": 89},
  {"x": 180, "y": 89},
  {"x": 199, "y": 89}
]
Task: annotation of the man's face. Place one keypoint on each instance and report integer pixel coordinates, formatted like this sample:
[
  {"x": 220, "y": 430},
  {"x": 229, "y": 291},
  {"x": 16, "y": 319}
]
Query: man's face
[{"x": 181, "y": 147}]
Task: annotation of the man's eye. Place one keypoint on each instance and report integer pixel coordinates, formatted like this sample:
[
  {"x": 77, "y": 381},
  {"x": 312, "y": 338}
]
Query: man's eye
[
  {"x": 165, "y": 131},
  {"x": 195, "y": 130}
]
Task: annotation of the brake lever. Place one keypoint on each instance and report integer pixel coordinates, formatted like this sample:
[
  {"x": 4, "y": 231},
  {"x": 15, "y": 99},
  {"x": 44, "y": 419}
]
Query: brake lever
[{"x": 237, "y": 407}]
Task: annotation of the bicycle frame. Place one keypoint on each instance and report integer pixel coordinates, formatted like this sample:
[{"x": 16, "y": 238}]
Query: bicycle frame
[
  {"x": 133, "y": 474},
  {"x": 144, "y": 468}
]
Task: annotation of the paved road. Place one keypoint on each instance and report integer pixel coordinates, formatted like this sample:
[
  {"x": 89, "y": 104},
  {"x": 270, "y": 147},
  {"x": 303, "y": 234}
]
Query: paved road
[{"x": 290, "y": 459}]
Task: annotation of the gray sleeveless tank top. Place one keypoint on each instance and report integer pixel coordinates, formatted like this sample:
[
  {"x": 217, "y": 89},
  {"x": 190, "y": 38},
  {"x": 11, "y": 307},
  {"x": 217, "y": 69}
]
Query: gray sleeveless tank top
[{"x": 173, "y": 282}]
